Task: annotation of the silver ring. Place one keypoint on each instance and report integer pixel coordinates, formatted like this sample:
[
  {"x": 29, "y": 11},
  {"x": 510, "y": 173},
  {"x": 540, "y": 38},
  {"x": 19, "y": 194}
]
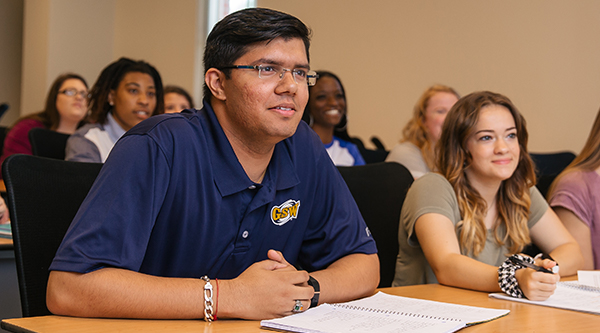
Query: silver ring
[{"x": 298, "y": 306}]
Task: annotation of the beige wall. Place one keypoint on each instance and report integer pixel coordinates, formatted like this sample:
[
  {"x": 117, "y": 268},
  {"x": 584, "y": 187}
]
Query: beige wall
[
  {"x": 63, "y": 36},
  {"x": 11, "y": 36},
  {"x": 164, "y": 33},
  {"x": 540, "y": 53},
  {"x": 543, "y": 54},
  {"x": 83, "y": 36}
]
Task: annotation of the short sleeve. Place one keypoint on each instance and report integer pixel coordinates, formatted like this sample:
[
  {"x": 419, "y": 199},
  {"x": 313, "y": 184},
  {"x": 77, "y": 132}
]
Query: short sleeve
[
  {"x": 431, "y": 193},
  {"x": 410, "y": 156},
  {"x": 358, "y": 159},
  {"x": 337, "y": 227},
  {"x": 538, "y": 207},
  {"x": 571, "y": 193},
  {"x": 114, "y": 223},
  {"x": 80, "y": 149}
]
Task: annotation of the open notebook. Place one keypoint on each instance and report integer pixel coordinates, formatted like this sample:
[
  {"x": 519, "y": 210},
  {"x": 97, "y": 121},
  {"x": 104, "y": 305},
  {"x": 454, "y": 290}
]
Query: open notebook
[
  {"x": 385, "y": 313},
  {"x": 570, "y": 295}
]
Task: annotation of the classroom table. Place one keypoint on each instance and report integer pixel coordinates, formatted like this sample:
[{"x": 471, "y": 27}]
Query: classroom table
[{"x": 522, "y": 317}]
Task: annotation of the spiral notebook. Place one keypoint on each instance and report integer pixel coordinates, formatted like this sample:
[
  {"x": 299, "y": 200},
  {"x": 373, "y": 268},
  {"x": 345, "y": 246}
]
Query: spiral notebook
[
  {"x": 569, "y": 295},
  {"x": 385, "y": 313}
]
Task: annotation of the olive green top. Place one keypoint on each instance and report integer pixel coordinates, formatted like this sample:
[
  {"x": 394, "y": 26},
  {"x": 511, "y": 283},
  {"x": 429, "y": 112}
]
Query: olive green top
[{"x": 432, "y": 193}]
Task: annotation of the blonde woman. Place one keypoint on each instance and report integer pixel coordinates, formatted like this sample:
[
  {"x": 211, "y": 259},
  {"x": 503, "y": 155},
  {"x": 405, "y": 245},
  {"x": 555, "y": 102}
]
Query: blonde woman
[
  {"x": 575, "y": 197},
  {"x": 461, "y": 226},
  {"x": 421, "y": 133}
]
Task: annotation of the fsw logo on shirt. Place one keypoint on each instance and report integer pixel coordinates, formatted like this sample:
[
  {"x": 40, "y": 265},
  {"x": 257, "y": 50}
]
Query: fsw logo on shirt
[{"x": 285, "y": 212}]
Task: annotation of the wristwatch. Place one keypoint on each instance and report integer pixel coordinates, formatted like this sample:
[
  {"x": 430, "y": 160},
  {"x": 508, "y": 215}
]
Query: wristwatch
[{"x": 315, "y": 284}]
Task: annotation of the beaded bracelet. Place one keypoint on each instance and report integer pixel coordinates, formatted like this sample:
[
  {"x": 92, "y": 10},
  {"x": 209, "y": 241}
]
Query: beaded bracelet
[
  {"x": 208, "y": 299},
  {"x": 506, "y": 276}
]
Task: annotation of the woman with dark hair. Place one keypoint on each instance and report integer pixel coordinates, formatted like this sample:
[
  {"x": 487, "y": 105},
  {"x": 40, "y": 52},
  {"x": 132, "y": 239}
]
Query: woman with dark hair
[
  {"x": 326, "y": 114},
  {"x": 466, "y": 225},
  {"x": 575, "y": 197},
  {"x": 125, "y": 93},
  {"x": 177, "y": 99},
  {"x": 66, "y": 106},
  {"x": 416, "y": 149}
]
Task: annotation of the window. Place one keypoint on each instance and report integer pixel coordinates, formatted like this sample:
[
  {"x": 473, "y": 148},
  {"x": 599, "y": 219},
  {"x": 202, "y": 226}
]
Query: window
[{"x": 217, "y": 9}]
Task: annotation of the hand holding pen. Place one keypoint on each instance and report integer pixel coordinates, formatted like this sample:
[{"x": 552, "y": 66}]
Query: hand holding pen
[
  {"x": 536, "y": 286},
  {"x": 553, "y": 270}
]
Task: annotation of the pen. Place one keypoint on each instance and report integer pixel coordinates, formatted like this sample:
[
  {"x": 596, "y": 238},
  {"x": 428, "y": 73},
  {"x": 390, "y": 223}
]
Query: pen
[{"x": 532, "y": 266}]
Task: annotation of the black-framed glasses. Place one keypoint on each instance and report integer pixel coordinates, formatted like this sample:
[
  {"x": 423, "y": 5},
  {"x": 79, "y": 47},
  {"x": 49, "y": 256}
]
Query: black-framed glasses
[
  {"x": 300, "y": 75},
  {"x": 73, "y": 92}
]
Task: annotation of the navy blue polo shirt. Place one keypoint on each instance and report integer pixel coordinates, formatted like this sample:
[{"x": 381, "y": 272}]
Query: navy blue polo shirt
[{"x": 173, "y": 200}]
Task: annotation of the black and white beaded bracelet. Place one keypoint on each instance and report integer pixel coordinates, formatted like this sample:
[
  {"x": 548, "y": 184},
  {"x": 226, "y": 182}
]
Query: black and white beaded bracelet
[{"x": 506, "y": 275}]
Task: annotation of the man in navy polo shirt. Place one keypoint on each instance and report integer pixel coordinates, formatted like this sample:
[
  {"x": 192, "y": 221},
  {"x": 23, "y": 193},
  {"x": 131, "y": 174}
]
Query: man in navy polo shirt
[{"x": 212, "y": 212}]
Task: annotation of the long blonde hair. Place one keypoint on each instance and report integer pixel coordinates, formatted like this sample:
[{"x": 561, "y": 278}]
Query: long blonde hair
[
  {"x": 588, "y": 159},
  {"x": 414, "y": 131},
  {"x": 513, "y": 199}
]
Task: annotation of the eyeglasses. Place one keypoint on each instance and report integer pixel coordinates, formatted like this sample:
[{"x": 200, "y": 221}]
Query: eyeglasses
[
  {"x": 301, "y": 76},
  {"x": 72, "y": 92}
]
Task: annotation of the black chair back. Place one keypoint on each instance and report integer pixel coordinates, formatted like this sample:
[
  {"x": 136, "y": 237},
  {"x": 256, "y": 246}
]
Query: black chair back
[
  {"x": 370, "y": 155},
  {"x": 48, "y": 143},
  {"x": 548, "y": 166},
  {"x": 3, "y": 108},
  {"x": 43, "y": 197},
  {"x": 379, "y": 190}
]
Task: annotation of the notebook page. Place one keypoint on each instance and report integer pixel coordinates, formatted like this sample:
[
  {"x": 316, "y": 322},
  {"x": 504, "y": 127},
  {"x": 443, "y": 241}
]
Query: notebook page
[
  {"x": 385, "y": 313},
  {"x": 327, "y": 318},
  {"x": 468, "y": 314},
  {"x": 589, "y": 278},
  {"x": 568, "y": 295}
]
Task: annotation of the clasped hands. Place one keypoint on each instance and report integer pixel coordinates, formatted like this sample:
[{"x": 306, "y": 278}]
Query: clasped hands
[{"x": 267, "y": 289}]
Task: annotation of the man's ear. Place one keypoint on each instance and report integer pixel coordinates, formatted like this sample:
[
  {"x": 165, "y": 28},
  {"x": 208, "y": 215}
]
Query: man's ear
[{"x": 215, "y": 80}]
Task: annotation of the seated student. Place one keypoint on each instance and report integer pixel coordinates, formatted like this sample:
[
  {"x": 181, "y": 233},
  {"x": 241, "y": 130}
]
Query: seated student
[
  {"x": 575, "y": 197},
  {"x": 125, "y": 93},
  {"x": 66, "y": 106},
  {"x": 230, "y": 197},
  {"x": 177, "y": 99},
  {"x": 327, "y": 115},
  {"x": 481, "y": 208},
  {"x": 416, "y": 149}
]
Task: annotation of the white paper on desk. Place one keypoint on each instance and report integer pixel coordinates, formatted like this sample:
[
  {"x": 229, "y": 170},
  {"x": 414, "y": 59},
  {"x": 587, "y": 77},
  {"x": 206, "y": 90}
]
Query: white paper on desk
[
  {"x": 589, "y": 278},
  {"x": 385, "y": 313},
  {"x": 327, "y": 318},
  {"x": 569, "y": 295}
]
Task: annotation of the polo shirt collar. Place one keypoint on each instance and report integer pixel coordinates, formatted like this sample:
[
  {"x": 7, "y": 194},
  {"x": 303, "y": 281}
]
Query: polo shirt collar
[
  {"x": 229, "y": 175},
  {"x": 112, "y": 128}
]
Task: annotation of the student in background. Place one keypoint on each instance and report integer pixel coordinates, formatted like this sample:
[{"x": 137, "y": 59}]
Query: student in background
[
  {"x": 416, "y": 149},
  {"x": 326, "y": 114},
  {"x": 66, "y": 106},
  {"x": 177, "y": 99},
  {"x": 575, "y": 197},
  {"x": 125, "y": 93},
  {"x": 459, "y": 226}
]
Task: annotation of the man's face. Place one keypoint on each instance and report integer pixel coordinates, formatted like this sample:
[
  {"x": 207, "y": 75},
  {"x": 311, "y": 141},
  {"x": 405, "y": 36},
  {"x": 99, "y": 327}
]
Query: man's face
[{"x": 266, "y": 109}]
